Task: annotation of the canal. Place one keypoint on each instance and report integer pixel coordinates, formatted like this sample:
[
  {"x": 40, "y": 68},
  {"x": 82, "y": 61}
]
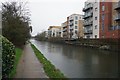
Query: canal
[{"x": 80, "y": 62}]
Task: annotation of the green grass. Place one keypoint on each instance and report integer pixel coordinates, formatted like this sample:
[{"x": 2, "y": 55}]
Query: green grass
[
  {"x": 18, "y": 54},
  {"x": 49, "y": 68}
]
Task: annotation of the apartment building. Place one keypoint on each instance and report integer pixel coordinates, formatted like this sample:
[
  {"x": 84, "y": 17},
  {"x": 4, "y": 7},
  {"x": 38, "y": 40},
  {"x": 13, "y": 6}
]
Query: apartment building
[
  {"x": 64, "y": 31},
  {"x": 88, "y": 19},
  {"x": 91, "y": 19},
  {"x": 96, "y": 18},
  {"x": 110, "y": 19},
  {"x": 54, "y": 31},
  {"x": 105, "y": 19},
  {"x": 115, "y": 29},
  {"x": 75, "y": 26}
]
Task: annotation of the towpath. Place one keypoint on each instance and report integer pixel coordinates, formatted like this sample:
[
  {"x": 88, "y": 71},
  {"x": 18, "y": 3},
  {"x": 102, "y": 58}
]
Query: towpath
[{"x": 29, "y": 66}]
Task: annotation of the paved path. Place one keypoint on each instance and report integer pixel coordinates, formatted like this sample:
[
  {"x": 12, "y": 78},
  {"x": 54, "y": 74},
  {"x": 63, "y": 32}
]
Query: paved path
[{"x": 29, "y": 66}]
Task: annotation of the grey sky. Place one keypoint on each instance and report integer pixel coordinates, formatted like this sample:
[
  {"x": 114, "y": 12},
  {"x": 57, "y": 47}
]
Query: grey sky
[{"x": 45, "y": 13}]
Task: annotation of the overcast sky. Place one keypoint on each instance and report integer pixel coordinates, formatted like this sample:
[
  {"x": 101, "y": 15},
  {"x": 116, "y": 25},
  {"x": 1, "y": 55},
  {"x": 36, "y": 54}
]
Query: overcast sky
[{"x": 45, "y": 13}]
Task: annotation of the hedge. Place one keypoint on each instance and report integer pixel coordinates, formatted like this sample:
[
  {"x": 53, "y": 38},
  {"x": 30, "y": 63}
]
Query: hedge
[{"x": 8, "y": 56}]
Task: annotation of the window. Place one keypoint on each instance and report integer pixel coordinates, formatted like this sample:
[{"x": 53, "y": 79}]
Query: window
[
  {"x": 75, "y": 22},
  {"x": 76, "y": 17},
  {"x": 95, "y": 26},
  {"x": 95, "y": 36},
  {"x": 75, "y": 31},
  {"x": 96, "y": 9},
  {"x": 75, "y": 27},
  {"x": 103, "y": 16},
  {"x": 103, "y": 8},
  {"x": 102, "y": 26},
  {"x": 80, "y": 18},
  {"x": 95, "y": 18}
]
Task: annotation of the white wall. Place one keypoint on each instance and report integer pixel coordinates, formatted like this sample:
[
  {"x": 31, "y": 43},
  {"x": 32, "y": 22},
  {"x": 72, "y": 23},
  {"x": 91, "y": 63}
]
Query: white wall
[
  {"x": 96, "y": 22},
  {"x": 73, "y": 16}
]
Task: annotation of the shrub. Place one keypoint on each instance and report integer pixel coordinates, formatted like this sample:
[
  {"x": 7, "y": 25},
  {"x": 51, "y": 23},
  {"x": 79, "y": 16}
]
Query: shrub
[{"x": 8, "y": 56}]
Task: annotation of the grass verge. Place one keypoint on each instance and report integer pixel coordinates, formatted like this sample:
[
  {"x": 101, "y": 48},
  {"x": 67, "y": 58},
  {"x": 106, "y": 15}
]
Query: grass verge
[
  {"x": 49, "y": 68},
  {"x": 18, "y": 53}
]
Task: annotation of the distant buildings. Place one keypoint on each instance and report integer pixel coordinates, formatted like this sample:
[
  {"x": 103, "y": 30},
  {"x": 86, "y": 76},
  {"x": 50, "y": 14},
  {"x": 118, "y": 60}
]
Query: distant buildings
[
  {"x": 54, "y": 31},
  {"x": 64, "y": 30},
  {"x": 101, "y": 19}
]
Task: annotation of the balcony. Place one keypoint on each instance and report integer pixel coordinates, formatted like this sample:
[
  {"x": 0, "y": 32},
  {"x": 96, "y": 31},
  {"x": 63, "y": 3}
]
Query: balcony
[
  {"x": 88, "y": 23},
  {"x": 117, "y": 17},
  {"x": 87, "y": 31},
  {"x": 71, "y": 20},
  {"x": 64, "y": 30},
  {"x": 71, "y": 29},
  {"x": 87, "y": 8},
  {"x": 117, "y": 6},
  {"x": 65, "y": 26},
  {"x": 88, "y": 15},
  {"x": 71, "y": 24}
]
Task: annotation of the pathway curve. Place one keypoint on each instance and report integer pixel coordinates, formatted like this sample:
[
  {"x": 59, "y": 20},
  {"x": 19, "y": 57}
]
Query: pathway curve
[{"x": 29, "y": 66}]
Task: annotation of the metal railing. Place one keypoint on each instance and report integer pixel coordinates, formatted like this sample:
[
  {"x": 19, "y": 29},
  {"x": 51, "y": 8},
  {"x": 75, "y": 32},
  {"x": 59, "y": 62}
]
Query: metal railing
[
  {"x": 117, "y": 17},
  {"x": 117, "y": 6},
  {"x": 87, "y": 31},
  {"x": 87, "y": 7}
]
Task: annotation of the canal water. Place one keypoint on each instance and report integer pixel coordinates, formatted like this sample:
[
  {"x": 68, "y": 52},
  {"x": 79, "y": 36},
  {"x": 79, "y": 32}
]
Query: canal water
[{"x": 80, "y": 62}]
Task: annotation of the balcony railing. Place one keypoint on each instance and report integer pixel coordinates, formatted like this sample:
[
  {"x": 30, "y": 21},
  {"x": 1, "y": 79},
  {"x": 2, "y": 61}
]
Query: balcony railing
[
  {"x": 117, "y": 6},
  {"x": 71, "y": 24},
  {"x": 87, "y": 23},
  {"x": 71, "y": 19},
  {"x": 88, "y": 15},
  {"x": 115, "y": 27},
  {"x": 87, "y": 31},
  {"x": 64, "y": 29},
  {"x": 117, "y": 17},
  {"x": 87, "y": 7}
]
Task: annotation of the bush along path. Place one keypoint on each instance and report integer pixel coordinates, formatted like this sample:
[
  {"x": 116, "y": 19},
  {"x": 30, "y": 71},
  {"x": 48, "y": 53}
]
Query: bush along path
[
  {"x": 29, "y": 66},
  {"x": 49, "y": 68},
  {"x": 8, "y": 57}
]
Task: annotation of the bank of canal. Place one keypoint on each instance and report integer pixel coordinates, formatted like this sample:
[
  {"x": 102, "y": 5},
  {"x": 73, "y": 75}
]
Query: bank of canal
[{"x": 80, "y": 62}]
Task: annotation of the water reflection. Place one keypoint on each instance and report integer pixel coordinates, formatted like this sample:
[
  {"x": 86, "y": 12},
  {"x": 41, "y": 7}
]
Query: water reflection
[{"x": 80, "y": 62}]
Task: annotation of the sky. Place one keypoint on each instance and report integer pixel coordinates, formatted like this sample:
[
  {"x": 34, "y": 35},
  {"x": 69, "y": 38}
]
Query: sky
[{"x": 45, "y": 13}]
